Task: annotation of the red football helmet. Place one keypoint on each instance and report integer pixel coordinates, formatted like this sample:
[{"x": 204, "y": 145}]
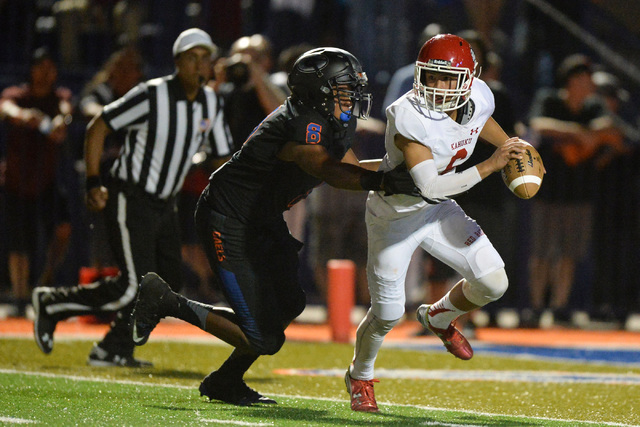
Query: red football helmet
[{"x": 444, "y": 56}]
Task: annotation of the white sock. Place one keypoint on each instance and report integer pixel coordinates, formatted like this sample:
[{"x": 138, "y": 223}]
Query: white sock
[
  {"x": 442, "y": 313},
  {"x": 369, "y": 338}
]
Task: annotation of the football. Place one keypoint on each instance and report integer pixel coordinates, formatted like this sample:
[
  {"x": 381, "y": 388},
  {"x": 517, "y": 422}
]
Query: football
[{"x": 524, "y": 177}]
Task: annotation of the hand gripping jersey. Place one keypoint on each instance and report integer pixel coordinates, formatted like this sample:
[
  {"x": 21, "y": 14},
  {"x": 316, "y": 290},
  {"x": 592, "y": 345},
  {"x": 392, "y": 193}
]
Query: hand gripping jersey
[
  {"x": 255, "y": 186},
  {"x": 451, "y": 142}
]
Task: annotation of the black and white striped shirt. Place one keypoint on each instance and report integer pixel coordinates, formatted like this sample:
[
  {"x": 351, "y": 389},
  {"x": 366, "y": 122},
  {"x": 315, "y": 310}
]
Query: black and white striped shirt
[{"x": 164, "y": 131}]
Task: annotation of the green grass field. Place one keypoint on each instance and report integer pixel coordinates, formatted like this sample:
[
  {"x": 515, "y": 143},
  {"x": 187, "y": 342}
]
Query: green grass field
[{"x": 60, "y": 389}]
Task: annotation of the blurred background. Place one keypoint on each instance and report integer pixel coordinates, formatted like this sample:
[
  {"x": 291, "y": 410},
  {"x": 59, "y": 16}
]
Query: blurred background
[{"x": 523, "y": 44}]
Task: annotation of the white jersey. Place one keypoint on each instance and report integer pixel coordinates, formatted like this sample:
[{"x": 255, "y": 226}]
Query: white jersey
[{"x": 450, "y": 142}]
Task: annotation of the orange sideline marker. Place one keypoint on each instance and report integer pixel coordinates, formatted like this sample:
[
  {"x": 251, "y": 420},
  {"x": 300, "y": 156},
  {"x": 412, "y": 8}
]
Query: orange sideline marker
[{"x": 341, "y": 277}]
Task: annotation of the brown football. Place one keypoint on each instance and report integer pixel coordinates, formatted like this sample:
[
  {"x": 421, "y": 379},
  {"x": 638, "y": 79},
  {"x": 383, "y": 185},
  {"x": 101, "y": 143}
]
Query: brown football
[{"x": 524, "y": 177}]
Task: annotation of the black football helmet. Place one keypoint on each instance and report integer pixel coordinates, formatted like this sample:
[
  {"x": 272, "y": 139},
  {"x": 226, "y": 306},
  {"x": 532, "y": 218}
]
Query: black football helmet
[{"x": 318, "y": 78}]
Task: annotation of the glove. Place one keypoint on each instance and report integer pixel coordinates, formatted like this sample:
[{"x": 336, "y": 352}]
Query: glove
[{"x": 399, "y": 181}]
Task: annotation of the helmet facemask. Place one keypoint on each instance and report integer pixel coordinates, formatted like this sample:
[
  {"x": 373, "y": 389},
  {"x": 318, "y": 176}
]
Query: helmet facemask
[
  {"x": 440, "y": 99},
  {"x": 353, "y": 102}
]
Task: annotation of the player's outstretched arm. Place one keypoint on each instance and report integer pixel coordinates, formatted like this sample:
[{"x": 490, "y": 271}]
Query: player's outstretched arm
[
  {"x": 351, "y": 158},
  {"x": 316, "y": 161}
]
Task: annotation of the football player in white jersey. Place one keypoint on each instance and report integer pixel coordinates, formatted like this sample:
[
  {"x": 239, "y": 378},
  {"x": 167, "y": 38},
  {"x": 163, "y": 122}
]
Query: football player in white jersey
[{"x": 432, "y": 129}]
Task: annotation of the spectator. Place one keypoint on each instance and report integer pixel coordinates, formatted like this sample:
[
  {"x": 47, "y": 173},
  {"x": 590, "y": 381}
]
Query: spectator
[
  {"x": 249, "y": 93},
  {"x": 573, "y": 124},
  {"x": 618, "y": 101},
  {"x": 37, "y": 113},
  {"x": 167, "y": 120},
  {"x": 616, "y": 201},
  {"x": 315, "y": 22},
  {"x": 484, "y": 16}
]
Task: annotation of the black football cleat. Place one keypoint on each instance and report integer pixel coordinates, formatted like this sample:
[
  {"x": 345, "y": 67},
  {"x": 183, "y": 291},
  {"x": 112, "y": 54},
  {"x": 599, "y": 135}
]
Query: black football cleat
[
  {"x": 154, "y": 295},
  {"x": 44, "y": 324},
  {"x": 107, "y": 359},
  {"x": 236, "y": 392}
]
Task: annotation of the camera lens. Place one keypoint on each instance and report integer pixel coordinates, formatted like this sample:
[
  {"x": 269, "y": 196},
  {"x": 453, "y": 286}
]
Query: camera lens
[{"x": 237, "y": 72}]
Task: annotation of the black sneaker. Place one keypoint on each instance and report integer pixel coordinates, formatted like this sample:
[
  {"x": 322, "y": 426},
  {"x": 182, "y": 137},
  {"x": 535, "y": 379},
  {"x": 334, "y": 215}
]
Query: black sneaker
[
  {"x": 153, "y": 294},
  {"x": 103, "y": 358},
  {"x": 44, "y": 324},
  {"x": 217, "y": 387}
]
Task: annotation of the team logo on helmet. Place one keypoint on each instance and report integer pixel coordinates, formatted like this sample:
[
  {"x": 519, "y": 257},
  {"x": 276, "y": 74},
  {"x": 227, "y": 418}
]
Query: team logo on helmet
[{"x": 441, "y": 62}]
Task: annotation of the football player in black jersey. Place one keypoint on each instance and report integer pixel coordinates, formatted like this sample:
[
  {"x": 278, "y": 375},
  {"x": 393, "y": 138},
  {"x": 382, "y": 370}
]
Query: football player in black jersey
[{"x": 304, "y": 142}]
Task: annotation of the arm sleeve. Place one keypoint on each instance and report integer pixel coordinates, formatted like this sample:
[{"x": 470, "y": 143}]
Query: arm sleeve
[{"x": 436, "y": 188}]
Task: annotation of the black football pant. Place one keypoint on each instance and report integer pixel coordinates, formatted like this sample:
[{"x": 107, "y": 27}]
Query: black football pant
[
  {"x": 256, "y": 268},
  {"x": 144, "y": 235}
]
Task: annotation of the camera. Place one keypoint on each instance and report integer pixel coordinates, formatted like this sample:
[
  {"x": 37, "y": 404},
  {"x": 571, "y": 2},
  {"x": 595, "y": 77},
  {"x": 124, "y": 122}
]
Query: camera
[{"x": 236, "y": 70}]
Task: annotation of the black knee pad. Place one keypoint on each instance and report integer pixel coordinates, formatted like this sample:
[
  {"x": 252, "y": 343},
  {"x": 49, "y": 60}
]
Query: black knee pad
[{"x": 269, "y": 344}]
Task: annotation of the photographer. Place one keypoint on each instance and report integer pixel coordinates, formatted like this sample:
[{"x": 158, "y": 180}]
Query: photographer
[{"x": 246, "y": 85}]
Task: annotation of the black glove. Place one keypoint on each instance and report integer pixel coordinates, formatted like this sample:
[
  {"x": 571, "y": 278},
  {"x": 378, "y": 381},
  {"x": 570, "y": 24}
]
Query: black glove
[{"x": 399, "y": 181}]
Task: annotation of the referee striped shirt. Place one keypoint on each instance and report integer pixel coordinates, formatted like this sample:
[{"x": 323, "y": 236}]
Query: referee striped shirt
[{"x": 164, "y": 130}]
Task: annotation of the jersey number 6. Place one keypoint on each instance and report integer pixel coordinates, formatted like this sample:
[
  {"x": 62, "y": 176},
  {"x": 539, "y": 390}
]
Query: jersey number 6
[
  {"x": 313, "y": 133},
  {"x": 460, "y": 154}
]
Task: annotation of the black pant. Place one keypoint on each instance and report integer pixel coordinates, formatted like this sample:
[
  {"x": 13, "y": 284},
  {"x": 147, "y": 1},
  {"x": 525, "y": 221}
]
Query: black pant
[
  {"x": 256, "y": 267},
  {"x": 144, "y": 235}
]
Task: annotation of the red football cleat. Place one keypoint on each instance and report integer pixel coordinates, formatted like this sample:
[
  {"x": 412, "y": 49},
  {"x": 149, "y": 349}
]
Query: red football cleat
[
  {"x": 453, "y": 340},
  {"x": 361, "y": 392}
]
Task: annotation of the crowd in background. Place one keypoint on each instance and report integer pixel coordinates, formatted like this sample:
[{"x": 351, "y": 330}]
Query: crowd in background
[{"x": 94, "y": 51}]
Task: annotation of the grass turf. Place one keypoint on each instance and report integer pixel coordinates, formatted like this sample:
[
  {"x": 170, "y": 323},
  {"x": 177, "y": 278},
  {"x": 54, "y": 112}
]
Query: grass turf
[{"x": 59, "y": 389}]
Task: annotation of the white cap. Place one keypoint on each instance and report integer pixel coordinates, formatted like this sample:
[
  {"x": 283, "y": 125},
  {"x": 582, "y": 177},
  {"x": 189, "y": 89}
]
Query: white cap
[{"x": 191, "y": 38}]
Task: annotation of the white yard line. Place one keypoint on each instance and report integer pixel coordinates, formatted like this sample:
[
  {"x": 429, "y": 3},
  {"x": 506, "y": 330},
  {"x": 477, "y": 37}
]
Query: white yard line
[
  {"x": 11, "y": 420},
  {"x": 235, "y": 423}
]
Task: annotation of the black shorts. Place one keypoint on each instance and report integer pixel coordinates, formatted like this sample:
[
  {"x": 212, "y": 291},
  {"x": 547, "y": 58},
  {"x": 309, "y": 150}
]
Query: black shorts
[{"x": 256, "y": 267}]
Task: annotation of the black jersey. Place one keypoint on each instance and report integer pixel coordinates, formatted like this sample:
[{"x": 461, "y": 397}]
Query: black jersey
[{"x": 254, "y": 186}]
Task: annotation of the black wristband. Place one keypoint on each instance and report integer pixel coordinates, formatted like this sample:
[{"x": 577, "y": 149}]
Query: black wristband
[
  {"x": 371, "y": 180},
  {"x": 93, "y": 181}
]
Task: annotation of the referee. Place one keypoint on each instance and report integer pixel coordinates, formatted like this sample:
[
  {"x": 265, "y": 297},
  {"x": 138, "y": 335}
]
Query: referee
[{"x": 167, "y": 120}]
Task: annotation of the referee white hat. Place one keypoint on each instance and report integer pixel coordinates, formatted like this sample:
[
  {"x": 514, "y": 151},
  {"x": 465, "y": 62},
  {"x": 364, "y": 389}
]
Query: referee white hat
[{"x": 191, "y": 38}]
